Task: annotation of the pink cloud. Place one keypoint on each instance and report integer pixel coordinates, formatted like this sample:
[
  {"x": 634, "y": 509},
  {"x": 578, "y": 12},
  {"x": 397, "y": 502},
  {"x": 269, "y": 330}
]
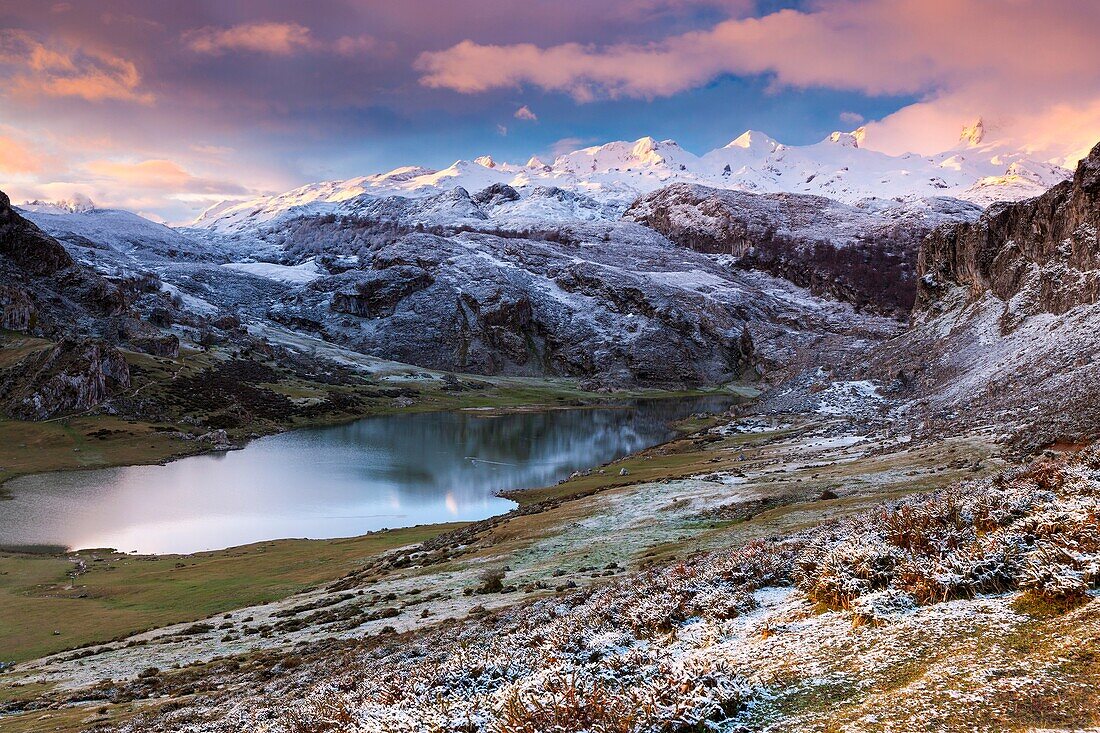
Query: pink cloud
[
  {"x": 277, "y": 39},
  {"x": 888, "y": 47},
  {"x": 274, "y": 39},
  {"x": 525, "y": 113},
  {"x": 355, "y": 45}
]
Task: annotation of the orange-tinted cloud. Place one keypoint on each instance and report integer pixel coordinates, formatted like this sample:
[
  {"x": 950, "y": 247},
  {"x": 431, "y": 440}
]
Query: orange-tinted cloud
[
  {"x": 164, "y": 175},
  {"x": 33, "y": 69}
]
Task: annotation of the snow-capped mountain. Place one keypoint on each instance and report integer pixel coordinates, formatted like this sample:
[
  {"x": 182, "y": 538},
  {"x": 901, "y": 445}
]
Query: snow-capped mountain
[
  {"x": 83, "y": 225},
  {"x": 615, "y": 174}
]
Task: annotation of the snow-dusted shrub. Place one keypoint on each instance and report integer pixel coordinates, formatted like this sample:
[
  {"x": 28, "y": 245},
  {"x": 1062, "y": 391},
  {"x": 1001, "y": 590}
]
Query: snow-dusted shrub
[
  {"x": 760, "y": 564},
  {"x": 834, "y": 574},
  {"x": 881, "y": 606},
  {"x": 676, "y": 697},
  {"x": 1051, "y": 572}
]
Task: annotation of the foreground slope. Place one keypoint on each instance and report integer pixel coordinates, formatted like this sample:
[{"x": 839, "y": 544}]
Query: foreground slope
[{"x": 972, "y": 608}]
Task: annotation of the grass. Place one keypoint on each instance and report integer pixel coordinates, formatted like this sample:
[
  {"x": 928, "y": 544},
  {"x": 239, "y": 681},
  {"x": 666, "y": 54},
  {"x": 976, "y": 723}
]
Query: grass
[
  {"x": 71, "y": 444},
  {"x": 123, "y": 594}
]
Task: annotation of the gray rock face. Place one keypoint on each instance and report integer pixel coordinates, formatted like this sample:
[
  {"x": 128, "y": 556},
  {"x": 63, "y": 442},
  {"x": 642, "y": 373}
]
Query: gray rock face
[
  {"x": 373, "y": 293},
  {"x": 495, "y": 195},
  {"x": 864, "y": 254},
  {"x": 17, "y": 311},
  {"x": 164, "y": 345},
  {"x": 70, "y": 376},
  {"x": 1044, "y": 253},
  {"x": 615, "y": 303},
  {"x": 1007, "y": 324}
]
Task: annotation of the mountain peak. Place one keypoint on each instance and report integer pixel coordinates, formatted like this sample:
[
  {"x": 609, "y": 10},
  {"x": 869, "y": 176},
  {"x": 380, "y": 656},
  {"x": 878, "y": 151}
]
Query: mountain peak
[
  {"x": 79, "y": 204},
  {"x": 753, "y": 140},
  {"x": 644, "y": 146},
  {"x": 974, "y": 133},
  {"x": 486, "y": 160},
  {"x": 847, "y": 139}
]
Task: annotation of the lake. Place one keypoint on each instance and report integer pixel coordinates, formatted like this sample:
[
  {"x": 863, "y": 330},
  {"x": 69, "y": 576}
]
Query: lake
[{"x": 341, "y": 481}]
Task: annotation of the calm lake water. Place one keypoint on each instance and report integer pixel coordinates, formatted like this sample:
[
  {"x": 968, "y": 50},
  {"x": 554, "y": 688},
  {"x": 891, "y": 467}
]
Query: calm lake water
[{"x": 389, "y": 471}]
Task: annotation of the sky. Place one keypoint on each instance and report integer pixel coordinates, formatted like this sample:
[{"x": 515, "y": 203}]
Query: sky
[{"x": 166, "y": 107}]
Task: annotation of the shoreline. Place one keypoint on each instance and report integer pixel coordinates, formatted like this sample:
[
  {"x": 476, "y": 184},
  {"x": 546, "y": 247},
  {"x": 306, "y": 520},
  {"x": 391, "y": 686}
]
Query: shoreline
[
  {"x": 615, "y": 401},
  {"x": 530, "y": 502},
  {"x": 566, "y": 536},
  {"x": 176, "y": 448}
]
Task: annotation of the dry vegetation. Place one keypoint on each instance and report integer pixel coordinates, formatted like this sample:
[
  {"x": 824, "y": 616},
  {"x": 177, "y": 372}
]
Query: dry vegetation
[{"x": 964, "y": 609}]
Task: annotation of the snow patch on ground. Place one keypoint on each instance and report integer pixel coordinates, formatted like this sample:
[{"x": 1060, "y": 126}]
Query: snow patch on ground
[{"x": 301, "y": 274}]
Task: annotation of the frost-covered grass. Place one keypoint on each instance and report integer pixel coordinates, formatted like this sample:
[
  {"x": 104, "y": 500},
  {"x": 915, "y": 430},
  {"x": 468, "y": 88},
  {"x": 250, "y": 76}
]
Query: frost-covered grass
[{"x": 917, "y": 615}]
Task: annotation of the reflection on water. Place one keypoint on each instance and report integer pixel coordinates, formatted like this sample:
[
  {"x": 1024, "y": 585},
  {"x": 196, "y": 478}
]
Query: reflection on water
[{"x": 391, "y": 471}]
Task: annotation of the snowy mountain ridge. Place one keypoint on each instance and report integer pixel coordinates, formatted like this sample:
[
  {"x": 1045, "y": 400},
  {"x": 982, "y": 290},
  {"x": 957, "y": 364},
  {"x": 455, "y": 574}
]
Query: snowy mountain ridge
[{"x": 616, "y": 173}]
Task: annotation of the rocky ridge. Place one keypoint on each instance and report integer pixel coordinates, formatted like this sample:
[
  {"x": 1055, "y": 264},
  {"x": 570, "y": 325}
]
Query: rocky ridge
[{"x": 864, "y": 254}]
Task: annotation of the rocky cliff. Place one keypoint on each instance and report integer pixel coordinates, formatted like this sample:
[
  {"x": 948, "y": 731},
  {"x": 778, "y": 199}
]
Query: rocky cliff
[
  {"x": 70, "y": 376},
  {"x": 863, "y": 254},
  {"x": 1006, "y": 327},
  {"x": 1037, "y": 256}
]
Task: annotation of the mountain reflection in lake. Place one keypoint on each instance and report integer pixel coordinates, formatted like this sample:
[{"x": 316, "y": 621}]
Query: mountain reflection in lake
[{"x": 387, "y": 471}]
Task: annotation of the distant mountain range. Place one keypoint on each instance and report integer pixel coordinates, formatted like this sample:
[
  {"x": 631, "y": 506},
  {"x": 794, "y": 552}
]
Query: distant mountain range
[{"x": 606, "y": 179}]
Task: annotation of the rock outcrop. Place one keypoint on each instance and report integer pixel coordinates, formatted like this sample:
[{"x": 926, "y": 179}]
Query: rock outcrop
[
  {"x": 70, "y": 376},
  {"x": 864, "y": 254},
  {"x": 26, "y": 246},
  {"x": 1038, "y": 256},
  {"x": 1007, "y": 323},
  {"x": 42, "y": 289}
]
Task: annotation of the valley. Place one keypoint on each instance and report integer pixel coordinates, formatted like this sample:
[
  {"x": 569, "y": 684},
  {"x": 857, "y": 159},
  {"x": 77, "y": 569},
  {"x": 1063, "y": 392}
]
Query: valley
[{"x": 780, "y": 459}]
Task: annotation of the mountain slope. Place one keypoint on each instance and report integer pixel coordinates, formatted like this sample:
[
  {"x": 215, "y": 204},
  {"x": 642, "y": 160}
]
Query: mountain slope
[
  {"x": 128, "y": 235},
  {"x": 863, "y": 254},
  {"x": 614, "y": 303}
]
